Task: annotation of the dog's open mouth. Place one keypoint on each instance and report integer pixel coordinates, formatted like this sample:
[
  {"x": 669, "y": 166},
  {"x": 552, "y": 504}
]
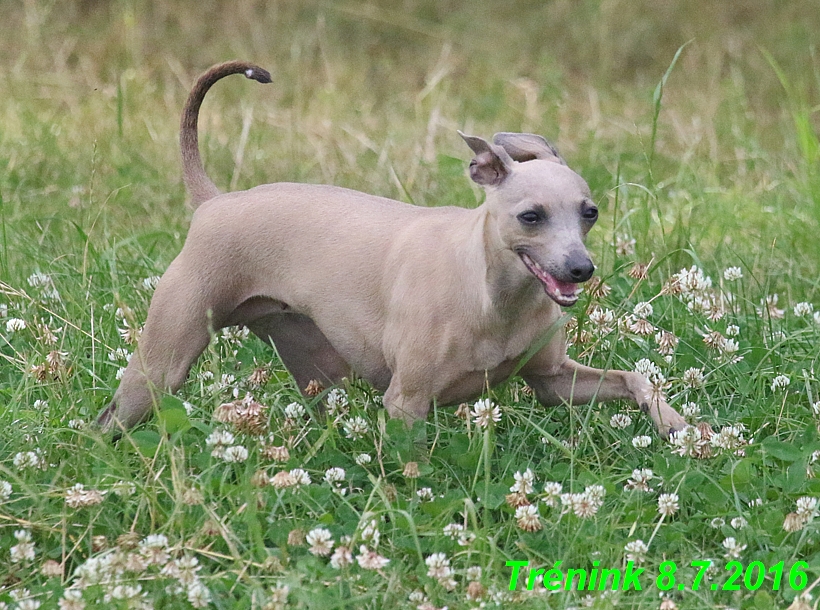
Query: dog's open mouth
[{"x": 563, "y": 293}]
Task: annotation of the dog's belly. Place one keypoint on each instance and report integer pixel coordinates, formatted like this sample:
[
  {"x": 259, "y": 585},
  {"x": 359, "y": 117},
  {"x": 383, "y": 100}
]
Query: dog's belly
[{"x": 472, "y": 384}]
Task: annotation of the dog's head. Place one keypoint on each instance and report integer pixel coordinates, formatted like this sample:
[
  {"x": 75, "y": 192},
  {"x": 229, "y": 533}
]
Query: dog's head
[{"x": 542, "y": 209}]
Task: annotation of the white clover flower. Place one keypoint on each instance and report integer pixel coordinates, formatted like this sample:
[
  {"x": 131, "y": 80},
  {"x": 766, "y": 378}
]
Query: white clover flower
[
  {"x": 438, "y": 566},
  {"x": 692, "y": 282},
  {"x": 738, "y": 523},
  {"x": 523, "y": 482},
  {"x": 728, "y": 346},
  {"x": 425, "y": 494},
  {"x": 803, "y": 309},
  {"x": 27, "y": 459},
  {"x": 370, "y": 560},
  {"x": 668, "y": 504},
  {"x": 28, "y": 604},
  {"x": 527, "y": 518},
  {"x": 636, "y": 551},
  {"x": 466, "y": 538},
  {"x": 619, "y": 421},
  {"x": 5, "y": 490},
  {"x": 693, "y": 377},
  {"x": 15, "y": 325},
  {"x": 198, "y": 594},
  {"x": 23, "y": 551},
  {"x": 816, "y": 407},
  {"x": 552, "y": 492},
  {"x": 733, "y": 330},
  {"x": 596, "y": 493},
  {"x": 187, "y": 566},
  {"x": 370, "y": 533},
  {"x": 355, "y": 427},
  {"x": 4, "y": 310},
  {"x": 732, "y": 274},
  {"x": 219, "y": 441},
  {"x": 336, "y": 400},
  {"x": 641, "y": 442},
  {"x": 320, "y": 541},
  {"x": 643, "y": 309},
  {"x": 341, "y": 558},
  {"x": 473, "y": 573},
  {"x": 38, "y": 280},
  {"x": 688, "y": 442},
  {"x": 235, "y": 454},
  {"x": 717, "y": 523},
  {"x": 452, "y": 530},
  {"x": 79, "y": 497},
  {"x": 154, "y": 548},
  {"x": 363, "y": 459},
  {"x": 647, "y": 368},
  {"x": 76, "y": 424},
  {"x": 417, "y": 597},
  {"x": 300, "y": 477},
  {"x": 733, "y": 549},
  {"x": 807, "y": 508},
  {"x": 278, "y": 597},
  {"x": 584, "y": 505},
  {"x": 780, "y": 382},
  {"x": 690, "y": 409},
  {"x": 602, "y": 319},
  {"x": 793, "y": 522},
  {"x": 119, "y": 354},
  {"x": 72, "y": 599},
  {"x": 640, "y": 480},
  {"x": 816, "y": 317},
  {"x": 624, "y": 245},
  {"x": 730, "y": 438},
  {"x": 334, "y": 475},
  {"x": 484, "y": 412},
  {"x": 282, "y": 480},
  {"x": 769, "y": 306},
  {"x": 667, "y": 343},
  {"x": 150, "y": 282},
  {"x": 294, "y": 411}
]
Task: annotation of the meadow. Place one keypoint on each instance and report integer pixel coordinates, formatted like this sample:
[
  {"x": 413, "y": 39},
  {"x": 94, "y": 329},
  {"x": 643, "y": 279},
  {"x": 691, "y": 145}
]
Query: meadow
[{"x": 696, "y": 126}]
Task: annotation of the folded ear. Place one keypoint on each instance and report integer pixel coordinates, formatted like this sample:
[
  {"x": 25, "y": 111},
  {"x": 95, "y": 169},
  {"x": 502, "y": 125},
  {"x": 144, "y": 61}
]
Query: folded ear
[
  {"x": 491, "y": 165},
  {"x": 527, "y": 146}
]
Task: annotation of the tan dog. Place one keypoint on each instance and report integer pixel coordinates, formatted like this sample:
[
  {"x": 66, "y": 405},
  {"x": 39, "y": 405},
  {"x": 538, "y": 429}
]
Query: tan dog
[{"x": 427, "y": 304}]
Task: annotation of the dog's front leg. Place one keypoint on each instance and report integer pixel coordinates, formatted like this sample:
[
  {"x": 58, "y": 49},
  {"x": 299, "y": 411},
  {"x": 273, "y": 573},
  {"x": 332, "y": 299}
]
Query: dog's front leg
[
  {"x": 403, "y": 404},
  {"x": 566, "y": 381}
]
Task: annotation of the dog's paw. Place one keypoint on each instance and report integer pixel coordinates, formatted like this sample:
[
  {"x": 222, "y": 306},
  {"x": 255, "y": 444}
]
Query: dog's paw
[{"x": 668, "y": 421}]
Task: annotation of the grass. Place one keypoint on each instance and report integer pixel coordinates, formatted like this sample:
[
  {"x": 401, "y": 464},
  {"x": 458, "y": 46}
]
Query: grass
[{"x": 718, "y": 169}]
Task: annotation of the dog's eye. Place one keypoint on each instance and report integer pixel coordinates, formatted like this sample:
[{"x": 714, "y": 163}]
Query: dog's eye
[
  {"x": 591, "y": 213},
  {"x": 529, "y": 218}
]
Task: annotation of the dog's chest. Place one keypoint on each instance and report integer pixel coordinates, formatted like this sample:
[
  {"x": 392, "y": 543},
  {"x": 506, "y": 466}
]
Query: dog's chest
[{"x": 488, "y": 353}]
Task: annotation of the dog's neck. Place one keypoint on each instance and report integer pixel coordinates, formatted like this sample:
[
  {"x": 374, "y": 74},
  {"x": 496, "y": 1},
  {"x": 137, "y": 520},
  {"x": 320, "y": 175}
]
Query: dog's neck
[{"x": 508, "y": 290}]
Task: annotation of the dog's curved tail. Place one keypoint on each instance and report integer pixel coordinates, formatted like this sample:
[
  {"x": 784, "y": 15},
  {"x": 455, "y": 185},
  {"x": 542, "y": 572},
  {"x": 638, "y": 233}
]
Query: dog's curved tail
[{"x": 199, "y": 185}]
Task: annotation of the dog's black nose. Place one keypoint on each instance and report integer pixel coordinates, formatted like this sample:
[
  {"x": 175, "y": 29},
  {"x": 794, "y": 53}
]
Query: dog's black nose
[{"x": 580, "y": 268}]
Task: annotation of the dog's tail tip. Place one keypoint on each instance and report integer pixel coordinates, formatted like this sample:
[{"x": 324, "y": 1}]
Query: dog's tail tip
[{"x": 258, "y": 74}]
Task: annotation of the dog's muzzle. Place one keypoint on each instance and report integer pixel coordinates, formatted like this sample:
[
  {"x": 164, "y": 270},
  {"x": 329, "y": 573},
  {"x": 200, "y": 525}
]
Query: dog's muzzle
[{"x": 563, "y": 293}]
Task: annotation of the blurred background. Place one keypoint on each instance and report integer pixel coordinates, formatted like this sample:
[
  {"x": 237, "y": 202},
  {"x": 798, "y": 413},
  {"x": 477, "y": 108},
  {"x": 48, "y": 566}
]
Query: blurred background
[{"x": 368, "y": 94}]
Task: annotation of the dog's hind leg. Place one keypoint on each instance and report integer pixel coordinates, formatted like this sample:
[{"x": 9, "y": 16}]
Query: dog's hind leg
[
  {"x": 176, "y": 333},
  {"x": 303, "y": 348}
]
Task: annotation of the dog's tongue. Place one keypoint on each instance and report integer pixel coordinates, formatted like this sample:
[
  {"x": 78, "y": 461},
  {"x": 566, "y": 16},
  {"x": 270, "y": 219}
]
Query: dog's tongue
[
  {"x": 564, "y": 293},
  {"x": 554, "y": 285}
]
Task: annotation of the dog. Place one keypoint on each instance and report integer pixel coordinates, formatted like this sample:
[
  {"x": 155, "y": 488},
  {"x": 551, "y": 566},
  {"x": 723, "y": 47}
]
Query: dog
[{"x": 426, "y": 304}]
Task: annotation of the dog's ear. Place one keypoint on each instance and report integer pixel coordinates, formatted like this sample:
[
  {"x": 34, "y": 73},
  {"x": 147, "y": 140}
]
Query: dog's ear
[
  {"x": 491, "y": 165},
  {"x": 527, "y": 146}
]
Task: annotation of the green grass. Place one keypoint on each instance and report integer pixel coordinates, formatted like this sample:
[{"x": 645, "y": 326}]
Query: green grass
[{"x": 719, "y": 168}]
